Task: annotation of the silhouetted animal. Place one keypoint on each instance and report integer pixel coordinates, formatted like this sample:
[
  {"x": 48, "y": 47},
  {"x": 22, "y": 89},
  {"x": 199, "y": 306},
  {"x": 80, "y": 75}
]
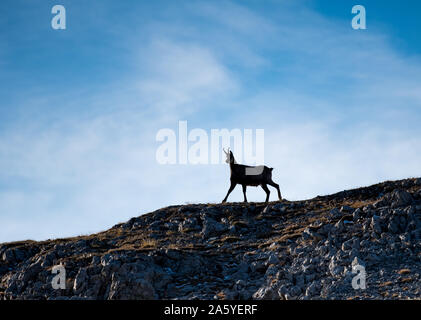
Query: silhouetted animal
[{"x": 249, "y": 176}]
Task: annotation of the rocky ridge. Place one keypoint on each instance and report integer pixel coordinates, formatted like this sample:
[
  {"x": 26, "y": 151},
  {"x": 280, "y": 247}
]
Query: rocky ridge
[{"x": 280, "y": 250}]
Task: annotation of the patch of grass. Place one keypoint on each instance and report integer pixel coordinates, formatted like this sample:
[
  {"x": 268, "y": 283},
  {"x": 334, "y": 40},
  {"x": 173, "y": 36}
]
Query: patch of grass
[
  {"x": 385, "y": 284},
  {"x": 404, "y": 271},
  {"x": 140, "y": 244},
  {"x": 359, "y": 203},
  {"x": 230, "y": 239},
  {"x": 173, "y": 246},
  {"x": 187, "y": 230},
  {"x": 221, "y": 295},
  {"x": 18, "y": 243},
  {"x": 148, "y": 243},
  {"x": 290, "y": 236},
  {"x": 240, "y": 224},
  {"x": 406, "y": 280}
]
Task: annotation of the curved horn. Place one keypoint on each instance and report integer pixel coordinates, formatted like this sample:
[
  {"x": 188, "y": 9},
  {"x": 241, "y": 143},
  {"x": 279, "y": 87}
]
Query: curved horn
[{"x": 225, "y": 151}]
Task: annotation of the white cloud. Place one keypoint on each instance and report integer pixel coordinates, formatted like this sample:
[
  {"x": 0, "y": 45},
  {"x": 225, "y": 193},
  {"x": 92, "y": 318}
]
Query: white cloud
[
  {"x": 182, "y": 75},
  {"x": 315, "y": 160},
  {"x": 90, "y": 174}
]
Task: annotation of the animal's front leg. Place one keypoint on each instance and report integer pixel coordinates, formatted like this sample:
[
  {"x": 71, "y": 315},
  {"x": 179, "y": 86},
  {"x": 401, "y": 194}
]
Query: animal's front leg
[{"x": 229, "y": 191}]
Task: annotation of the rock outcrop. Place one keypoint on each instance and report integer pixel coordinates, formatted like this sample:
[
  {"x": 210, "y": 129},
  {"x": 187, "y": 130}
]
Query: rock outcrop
[{"x": 282, "y": 250}]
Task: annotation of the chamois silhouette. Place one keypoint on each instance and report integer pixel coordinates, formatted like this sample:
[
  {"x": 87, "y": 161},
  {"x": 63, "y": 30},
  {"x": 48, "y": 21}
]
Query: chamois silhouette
[{"x": 249, "y": 176}]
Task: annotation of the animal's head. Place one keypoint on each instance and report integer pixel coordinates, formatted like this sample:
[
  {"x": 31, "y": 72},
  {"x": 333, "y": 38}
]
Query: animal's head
[{"x": 229, "y": 155}]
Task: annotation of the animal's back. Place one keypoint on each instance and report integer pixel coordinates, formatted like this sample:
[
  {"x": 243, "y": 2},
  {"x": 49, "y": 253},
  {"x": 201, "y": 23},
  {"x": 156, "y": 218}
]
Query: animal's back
[{"x": 251, "y": 175}]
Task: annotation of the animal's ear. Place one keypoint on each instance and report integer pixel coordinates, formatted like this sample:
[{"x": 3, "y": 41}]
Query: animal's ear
[{"x": 231, "y": 153}]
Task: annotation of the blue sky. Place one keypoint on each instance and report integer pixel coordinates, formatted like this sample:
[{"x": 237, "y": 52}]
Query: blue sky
[{"x": 80, "y": 108}]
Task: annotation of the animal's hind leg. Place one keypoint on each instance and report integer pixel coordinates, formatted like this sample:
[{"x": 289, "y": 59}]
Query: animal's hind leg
[
  {"x": 275, "y": 185},
  {"x": 229, "y": 191},
  {"x": 265, "y": 187},
  {"x": 244, "y": 192}
]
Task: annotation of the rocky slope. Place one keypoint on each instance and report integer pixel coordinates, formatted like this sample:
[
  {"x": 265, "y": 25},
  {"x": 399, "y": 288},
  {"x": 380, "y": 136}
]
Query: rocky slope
[{"x": 281, "y": 250}]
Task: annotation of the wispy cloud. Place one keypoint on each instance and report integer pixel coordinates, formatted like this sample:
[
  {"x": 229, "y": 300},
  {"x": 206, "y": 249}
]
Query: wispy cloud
[{"x": 182, "y": 75}]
